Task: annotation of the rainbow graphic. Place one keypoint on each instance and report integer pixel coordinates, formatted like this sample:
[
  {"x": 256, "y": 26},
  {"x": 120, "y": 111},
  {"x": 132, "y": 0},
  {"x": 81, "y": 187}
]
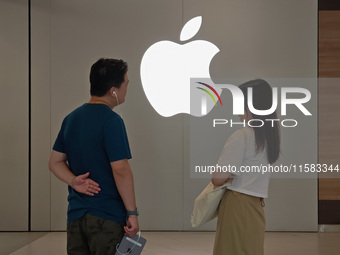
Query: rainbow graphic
[{"x": 209, "y": 93}]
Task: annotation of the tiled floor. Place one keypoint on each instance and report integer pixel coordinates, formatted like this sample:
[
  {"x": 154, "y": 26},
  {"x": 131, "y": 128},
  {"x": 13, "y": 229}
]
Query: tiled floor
[
  {"x": 178, "y": 243},
  {"x": 11, "y": 241}
]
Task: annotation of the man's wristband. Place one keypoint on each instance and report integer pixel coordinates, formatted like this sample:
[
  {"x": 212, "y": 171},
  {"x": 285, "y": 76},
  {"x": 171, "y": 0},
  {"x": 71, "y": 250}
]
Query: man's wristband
[{"x": 136, "y": 213}]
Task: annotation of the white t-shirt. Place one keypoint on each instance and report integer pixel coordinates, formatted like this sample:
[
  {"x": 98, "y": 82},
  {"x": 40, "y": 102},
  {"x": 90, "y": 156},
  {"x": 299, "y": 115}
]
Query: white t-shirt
[{"x": 240, "y": 151}]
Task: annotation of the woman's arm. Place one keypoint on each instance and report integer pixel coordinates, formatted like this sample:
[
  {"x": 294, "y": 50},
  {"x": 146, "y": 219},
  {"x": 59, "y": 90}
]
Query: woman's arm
[
  {"x": 220, "y": 181},
  {"x": 231, "y": 157}
]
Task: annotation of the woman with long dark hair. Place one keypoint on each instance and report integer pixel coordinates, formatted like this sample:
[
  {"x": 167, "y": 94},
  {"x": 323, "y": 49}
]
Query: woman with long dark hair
[{"x": 241, "y": 220}]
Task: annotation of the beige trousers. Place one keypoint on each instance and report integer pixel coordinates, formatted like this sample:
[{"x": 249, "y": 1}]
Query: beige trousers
[{"x": 240, "y": 225}]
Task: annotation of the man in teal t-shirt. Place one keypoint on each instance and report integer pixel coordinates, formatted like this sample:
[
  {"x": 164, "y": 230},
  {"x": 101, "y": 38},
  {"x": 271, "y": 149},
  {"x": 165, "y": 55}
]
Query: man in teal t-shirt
[{"x": 91, "y": 155}]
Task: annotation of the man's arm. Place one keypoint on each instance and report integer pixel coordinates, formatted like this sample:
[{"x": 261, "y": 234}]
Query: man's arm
[
  {"x": 124, "y": 180},
  {"x": 81, "y": 183}
]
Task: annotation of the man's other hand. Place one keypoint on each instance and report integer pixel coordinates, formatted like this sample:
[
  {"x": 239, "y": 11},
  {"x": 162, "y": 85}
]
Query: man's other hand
[
  {"x": 85, "y": 185},
  {"x": 132, "y": 227}
]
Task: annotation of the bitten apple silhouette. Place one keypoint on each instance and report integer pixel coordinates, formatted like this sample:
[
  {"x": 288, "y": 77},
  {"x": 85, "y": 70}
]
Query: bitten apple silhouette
[{"x": 166, "y": 69}]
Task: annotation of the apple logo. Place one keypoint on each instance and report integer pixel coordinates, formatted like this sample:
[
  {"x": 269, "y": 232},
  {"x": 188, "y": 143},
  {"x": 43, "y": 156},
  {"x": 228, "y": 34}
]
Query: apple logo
[{"x": 167, "y": 70}]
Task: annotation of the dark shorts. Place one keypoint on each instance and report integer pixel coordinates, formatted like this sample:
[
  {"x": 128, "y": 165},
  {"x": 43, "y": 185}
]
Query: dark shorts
[{"x": 91, "y": 235}]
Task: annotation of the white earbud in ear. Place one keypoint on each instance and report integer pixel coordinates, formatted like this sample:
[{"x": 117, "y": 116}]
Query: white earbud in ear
[{"x": 115, "y": 94}]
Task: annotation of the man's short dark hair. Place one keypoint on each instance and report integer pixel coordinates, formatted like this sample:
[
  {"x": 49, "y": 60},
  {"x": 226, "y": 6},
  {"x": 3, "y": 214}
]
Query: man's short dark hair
[{"x": 105, "y": 74}]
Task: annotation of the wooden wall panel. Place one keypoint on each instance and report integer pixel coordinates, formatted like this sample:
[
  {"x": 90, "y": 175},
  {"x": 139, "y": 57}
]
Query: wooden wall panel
[
  {"x": 329, "y": 103},
  {"x": 329, "y": 44}
]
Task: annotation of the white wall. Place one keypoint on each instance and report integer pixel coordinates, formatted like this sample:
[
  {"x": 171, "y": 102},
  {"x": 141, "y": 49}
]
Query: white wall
[{"x": 262, "y": 38}]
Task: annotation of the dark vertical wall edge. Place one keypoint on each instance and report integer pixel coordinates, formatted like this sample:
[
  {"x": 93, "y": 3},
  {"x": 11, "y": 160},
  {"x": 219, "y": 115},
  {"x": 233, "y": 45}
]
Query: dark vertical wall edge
[
  {"x": 29, "y": 116},
  {"x": 317, "y": 109}
]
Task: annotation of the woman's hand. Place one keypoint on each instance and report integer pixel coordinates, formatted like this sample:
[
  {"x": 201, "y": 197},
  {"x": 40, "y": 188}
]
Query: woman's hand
[{"x": 85, "y": 185}]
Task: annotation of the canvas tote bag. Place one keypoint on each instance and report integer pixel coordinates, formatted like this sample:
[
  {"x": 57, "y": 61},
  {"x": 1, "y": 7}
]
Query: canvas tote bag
[{"x": 206, "y": 204}]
